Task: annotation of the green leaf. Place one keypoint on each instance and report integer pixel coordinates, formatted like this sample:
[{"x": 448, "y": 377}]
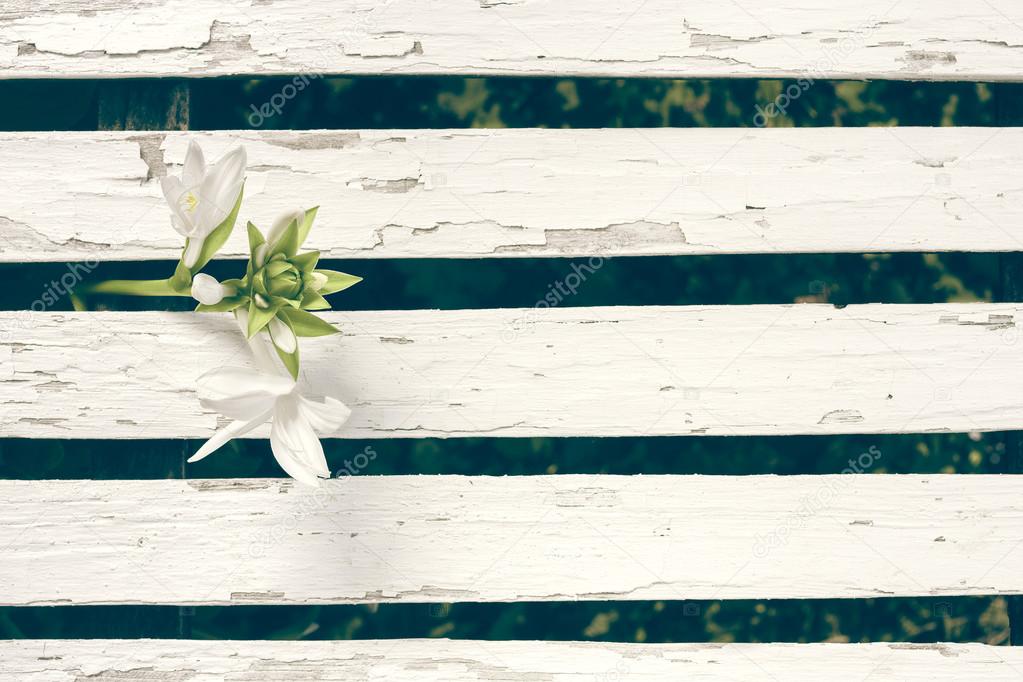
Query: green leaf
[
  {"x": 259, "y": 285},
  {"x": 313, "y": 301},
  {"x": 256, "y": 239},
  {"x": 306, "y": 262},
  {"x": 276, "y": 267},
  {"x": 259, "y": 317},
  {"x": 278, "y": 302},
  {"x": 287, "y": 243},
  {"x": 307, "y": 324},
  {"x": 215, "y": 240},
  {"x": 290, "y": 360},
  {"x": 337, "y": 281},
  {"x": 225, "y": 306},
  {"x": 307, "y": 224}
]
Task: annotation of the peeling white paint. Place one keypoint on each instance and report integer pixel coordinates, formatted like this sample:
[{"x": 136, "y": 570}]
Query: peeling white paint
[
  {"x": 925, "y": 39},
  {"x": 617, "y": 371},
  {"x": 440, "y": 660},
  {"x": 545, "y": 538},
  {"x": 476, "y": 193}
]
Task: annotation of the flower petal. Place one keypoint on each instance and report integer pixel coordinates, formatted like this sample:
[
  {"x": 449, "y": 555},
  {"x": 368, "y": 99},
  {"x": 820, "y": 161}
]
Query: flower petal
[
  {"x": 225, "y": 382},
  {"x": 241, "y": 393},
  {"x": 282, "y": 336},
  {"x": 295, "y": 445},
  {"x": 243, "y": 406},
  {"x": 193, "y": 249},
  {"x": 173, "y": 190},
  {"x": 232, "y": 430},
  {"x": 179, "y": 227},
  {"x": 325, "y": 414},
  {"x": 219, "y": 190},
  {"x": 195, "y": 165}
]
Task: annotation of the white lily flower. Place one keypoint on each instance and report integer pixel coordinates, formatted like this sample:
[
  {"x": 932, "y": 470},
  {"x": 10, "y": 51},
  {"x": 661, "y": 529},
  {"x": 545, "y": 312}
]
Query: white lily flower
[
  {"x": 203, "y": 197},
  {"x": 208, "y": 291},
  {"x": 251, "y": 397}
]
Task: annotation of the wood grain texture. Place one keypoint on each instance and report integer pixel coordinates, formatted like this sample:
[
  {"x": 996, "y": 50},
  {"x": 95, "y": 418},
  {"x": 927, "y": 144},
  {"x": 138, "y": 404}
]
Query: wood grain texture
[
  {"x": 508, "y": 193},
  {"x": 620, "y": 371},
  {"x": 440, "y": 660},
  {"x": 911, "y": 39},
  {"x": 368, "y": 539}
]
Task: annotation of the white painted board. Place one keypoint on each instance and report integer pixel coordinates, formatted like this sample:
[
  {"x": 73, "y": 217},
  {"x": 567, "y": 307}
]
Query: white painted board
[
  {"x": 365, "y": 539},
  {"x": 441, "y": 660},
  {"x": 911, "y": 39},
  {"x": 616, "y": 371},
  {"x": 527, "y": 192}
]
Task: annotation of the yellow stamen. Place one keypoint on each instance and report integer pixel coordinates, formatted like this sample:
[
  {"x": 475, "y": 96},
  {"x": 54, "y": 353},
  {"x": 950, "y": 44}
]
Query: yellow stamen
[{"x": 190, "y": 201}]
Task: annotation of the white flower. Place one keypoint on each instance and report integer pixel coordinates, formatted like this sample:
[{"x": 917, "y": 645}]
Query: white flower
[
  {"x": 202, "y": 198},
  {"x": 208, "y": 291},
  {"x": 251, "y": 397}
]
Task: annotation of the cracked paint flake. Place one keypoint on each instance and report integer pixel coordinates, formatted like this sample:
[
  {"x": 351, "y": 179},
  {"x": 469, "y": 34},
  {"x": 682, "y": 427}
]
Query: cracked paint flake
[
  {"x": 160, "y": 38},
  {"x": 816, "y": 369},
  {"x": 385, "y": 548},
  {"x": 529, "y": 192},
  {"x": 408, "y": 660}
]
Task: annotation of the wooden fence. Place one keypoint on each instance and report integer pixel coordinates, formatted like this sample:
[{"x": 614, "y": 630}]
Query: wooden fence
[{"x": 714, "y": 370}]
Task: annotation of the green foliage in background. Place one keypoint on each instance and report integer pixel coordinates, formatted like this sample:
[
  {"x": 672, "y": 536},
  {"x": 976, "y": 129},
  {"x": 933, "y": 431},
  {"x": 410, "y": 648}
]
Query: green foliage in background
[{"x": 457, "y": 103}]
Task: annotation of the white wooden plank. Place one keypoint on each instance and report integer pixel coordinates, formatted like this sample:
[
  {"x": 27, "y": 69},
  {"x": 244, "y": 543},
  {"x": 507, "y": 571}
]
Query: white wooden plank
[
  {"x": 449, "y": 538},
  {"x": 620, "y": 371},
  {"x": 483, "y": 193},
  {"x": 911, "y": 39},
  {"x": 441, "y": 660}
]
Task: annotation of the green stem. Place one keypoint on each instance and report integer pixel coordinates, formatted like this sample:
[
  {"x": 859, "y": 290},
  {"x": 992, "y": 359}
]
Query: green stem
[{"x": 135, "y": 287}]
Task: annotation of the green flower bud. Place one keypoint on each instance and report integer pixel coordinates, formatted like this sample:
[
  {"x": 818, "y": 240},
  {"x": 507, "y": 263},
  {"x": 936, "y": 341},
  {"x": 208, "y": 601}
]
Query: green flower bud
[
  {"x": 281, "y": 285},
  {"x": 282, "y": 278}
]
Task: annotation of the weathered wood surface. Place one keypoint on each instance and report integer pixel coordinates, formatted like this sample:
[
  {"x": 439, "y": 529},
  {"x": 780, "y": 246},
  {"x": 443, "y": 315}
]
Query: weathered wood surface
[
  {"x": 441, "y": 660},
  {"x": 149, "y": 105},
  {"x": 911, "y": 39},
  {"x": 367, "y": 539},
  {"x": 479, "y": 193},
  {"x": 618, "y": 371}
]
